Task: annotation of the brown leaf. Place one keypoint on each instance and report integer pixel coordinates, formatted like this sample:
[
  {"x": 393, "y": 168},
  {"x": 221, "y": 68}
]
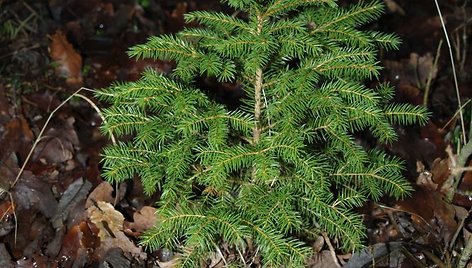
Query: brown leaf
[
  {"x": 382, "y": 254},
  {"x": 110, "y": 224},
  {"x": 69, "y": 62},
  {"x": 216, "y": 261},
  {"x": 37, "y": 260},
  {"x": 323, "y": 259},
  {"x": 173, "y": 263},
  {"x": 108, "y": 220},
  {"x": 115, "y": 258},
  {"x": 45, "y": 101},
  {"x": 466, "y": 183},
  {"x": 425, "y": 178},
  {"x": 58, "y": 144},
  {"x": 431, "y": 214},
  {"x": 103, "y": 192},
  {"x": 461, "y": 213},
  {"x": 71, "y": 203},
  {"x": 77, "y": 244},
  {"x": 17, "y": 138},
  {"x": 5, "y": 258},
  {"x": 33, "y": 194},
  {"x": 6, "y": 218},
  {"x": 441, "y": 171},
  {"x": 424, "y": 67},
  {"x": 411, "y": 148},
  {"x": 144, "y": 219}
]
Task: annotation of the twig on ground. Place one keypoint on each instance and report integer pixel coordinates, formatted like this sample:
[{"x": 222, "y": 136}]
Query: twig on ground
[
  {"x": 457, "y": 169},
  {"x": 254, "y": 258},
  {"x": 454, "y": 116},
  {"x": 456, "y": 84},
  {"x": 221, "y": 255},
  {"x": 331, "y": 249},
  {"x": 466, "y": 253},
  {"x": 458, "y": 230},
  {"x": 241, "y": 256},
  {"x": 40, "y": 135}
]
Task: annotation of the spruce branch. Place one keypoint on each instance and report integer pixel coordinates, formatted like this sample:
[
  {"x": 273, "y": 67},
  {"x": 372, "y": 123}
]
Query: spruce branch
[
  {"x": 285, "y": 6},
  {"x": 217, "y": 20},
  {"x": 164, "y": 47},
  {"x": 358, "y": 15}
]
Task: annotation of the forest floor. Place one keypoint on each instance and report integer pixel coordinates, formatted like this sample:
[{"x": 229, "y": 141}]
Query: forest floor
[{"x": 55, "y": 209}]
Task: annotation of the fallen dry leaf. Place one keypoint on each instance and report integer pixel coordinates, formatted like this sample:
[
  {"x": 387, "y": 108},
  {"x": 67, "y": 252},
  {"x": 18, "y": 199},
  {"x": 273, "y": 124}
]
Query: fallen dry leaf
[
  {"x": 7, "y": 223},
  {"x": 103, "y": 192},
  {"x": 68, "y": 61},
  {"x": 144, "y": 219},
  {"x": 71, "y": 203},
  {"x": 37, "y": 260},
  {"x": 58, "y": 144},
  {"x": 431, "y": 214},
  {"x": 441, "y": 171},
  {"x": 379, "y": 254},
  {"x": 78, "y": 245},
  {"x": 5, "y": 258},
  {"x": 216, "y": 261},
  {"x": 32, "y": 194},
  {"x": 115, "y": 258},
  {"x": 108, "y": 220},
  {"x": 110, "y": 224},
  {"x": 425, "y": 178},
  {"x": 16, "y": 138},
  {"x": 324, "y": 259},
  {"x": 173, "y": 263}
]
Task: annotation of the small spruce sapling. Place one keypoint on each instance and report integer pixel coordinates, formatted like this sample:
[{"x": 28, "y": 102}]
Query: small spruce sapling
[{"x": 259, "y": 179}]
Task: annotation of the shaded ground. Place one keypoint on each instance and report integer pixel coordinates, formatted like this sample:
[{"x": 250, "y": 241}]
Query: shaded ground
[{"x": 66, "y": 216}]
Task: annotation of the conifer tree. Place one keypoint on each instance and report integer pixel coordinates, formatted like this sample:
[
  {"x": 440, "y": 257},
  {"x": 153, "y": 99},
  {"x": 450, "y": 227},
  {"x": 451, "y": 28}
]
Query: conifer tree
[{"x": 285, "y": 165}]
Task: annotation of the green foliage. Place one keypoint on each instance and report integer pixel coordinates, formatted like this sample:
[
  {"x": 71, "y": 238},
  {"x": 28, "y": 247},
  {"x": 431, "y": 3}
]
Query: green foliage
[
  {"x": 9, "y": 30},
  {"x": 260, "y": 179}
]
